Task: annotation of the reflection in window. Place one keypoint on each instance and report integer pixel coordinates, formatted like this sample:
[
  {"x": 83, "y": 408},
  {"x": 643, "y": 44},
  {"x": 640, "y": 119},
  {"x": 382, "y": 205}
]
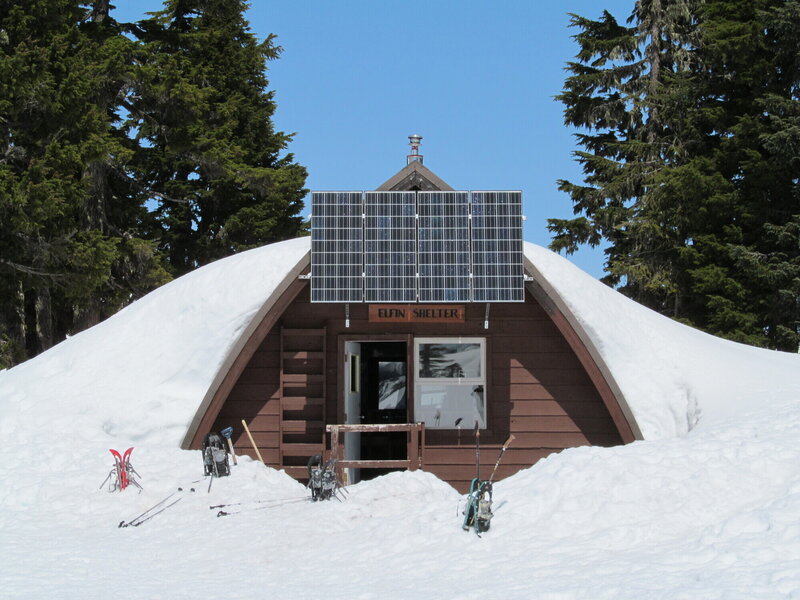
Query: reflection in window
[
  {"x": 451, "y": 406},
  {"x": 450, "y": 382},
  {"x": 449, "y": 360}
]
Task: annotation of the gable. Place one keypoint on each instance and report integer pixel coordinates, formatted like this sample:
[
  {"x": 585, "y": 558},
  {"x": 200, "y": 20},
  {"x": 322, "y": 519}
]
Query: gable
[{"x": 414, "y": 177}]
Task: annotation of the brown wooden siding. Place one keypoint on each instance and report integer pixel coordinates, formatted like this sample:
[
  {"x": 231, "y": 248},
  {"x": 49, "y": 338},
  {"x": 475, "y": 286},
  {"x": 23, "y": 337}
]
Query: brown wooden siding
[{"x": 537, "y": 387}]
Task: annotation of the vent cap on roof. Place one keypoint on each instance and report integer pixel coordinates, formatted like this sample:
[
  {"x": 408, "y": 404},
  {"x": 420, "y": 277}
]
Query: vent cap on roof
[{"x": 414, "y": 141}]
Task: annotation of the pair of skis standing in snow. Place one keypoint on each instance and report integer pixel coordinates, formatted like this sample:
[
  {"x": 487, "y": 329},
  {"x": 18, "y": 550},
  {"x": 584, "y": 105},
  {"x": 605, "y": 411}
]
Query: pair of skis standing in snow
[{"x": 122, "y": 473}]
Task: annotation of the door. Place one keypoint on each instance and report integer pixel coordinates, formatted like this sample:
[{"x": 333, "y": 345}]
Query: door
[{"x": 352, "y": 406}]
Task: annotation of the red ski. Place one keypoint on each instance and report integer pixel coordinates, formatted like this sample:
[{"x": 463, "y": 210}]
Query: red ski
[{"x": 123, "y": 472}]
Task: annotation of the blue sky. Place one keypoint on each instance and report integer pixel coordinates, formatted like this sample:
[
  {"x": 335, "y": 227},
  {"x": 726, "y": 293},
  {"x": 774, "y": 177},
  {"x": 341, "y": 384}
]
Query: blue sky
[{"x": 475, "y": 79}]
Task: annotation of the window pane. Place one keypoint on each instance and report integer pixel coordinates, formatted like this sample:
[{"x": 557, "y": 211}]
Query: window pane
[
  {"x": 450, "y": 406},
  {"x": 449, "y": 361}
]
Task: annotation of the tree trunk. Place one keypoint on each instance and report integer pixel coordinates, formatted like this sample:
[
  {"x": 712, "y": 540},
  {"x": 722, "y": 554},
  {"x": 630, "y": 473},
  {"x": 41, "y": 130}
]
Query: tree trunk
[
  {"x": 44, "y": 317},
  {"x": 89, "y": 316},
  {"x": 100, "y": 10}
]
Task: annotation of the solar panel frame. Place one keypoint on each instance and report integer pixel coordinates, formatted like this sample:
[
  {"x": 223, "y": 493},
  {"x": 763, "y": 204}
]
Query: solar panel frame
[
  {"x": 443, "y": 247},
  {"x": 390, "y": 238},
  {"x": 337, "y": 247},
  {"x": 496, "y": 249}
]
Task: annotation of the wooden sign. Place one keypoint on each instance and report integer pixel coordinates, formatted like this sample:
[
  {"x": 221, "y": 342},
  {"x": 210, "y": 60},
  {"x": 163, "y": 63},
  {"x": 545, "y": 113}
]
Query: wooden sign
[{"x": 416, "y": 313}]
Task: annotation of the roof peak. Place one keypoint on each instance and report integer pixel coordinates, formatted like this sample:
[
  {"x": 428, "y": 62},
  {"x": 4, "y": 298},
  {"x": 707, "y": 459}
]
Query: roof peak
[{"x": 414, "y": 176}]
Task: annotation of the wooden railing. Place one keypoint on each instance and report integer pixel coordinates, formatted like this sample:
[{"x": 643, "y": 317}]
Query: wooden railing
[{"x": 416, "y": 445}]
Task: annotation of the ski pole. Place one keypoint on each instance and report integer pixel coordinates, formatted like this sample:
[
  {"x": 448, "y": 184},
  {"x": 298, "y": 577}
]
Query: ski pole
[
  {"x": 126, "y": 524},
  {"x": 254, "y": 502},
  {"x": 502, "y": 451},
  {"x": 223, "y": 513},
  {"x": 135, "y": 521},
  {"x": 477, "y": 452},
  {"x": 151, "y": 515}
]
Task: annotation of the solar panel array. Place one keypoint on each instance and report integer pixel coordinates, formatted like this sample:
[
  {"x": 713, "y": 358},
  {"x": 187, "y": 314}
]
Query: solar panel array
[{"x": 416, "y": 247}]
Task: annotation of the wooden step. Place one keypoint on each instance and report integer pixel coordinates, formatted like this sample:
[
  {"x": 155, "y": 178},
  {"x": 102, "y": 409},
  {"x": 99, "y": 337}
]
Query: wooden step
[
  {"x": 301, "y": 402},
  {"x": 301, "y": 426},
  {"x": 301, "y": 449},
  {"x": 304, "y": 332},
  {"x": 303, "y": 378},
  {"x": 303, "y": 355}
]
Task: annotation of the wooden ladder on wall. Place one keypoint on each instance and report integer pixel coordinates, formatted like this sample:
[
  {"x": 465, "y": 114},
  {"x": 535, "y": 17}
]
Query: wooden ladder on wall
[{"x": 302, "y": 395}]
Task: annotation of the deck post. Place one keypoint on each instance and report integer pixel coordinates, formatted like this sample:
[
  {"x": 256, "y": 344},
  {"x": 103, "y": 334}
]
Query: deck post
[{"x": 413, "y": 450}]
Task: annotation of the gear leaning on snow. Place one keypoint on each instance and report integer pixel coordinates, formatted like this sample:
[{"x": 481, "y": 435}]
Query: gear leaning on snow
[
  {"x": 322, "y": 479},
  {"x": 215, "y": 455}
]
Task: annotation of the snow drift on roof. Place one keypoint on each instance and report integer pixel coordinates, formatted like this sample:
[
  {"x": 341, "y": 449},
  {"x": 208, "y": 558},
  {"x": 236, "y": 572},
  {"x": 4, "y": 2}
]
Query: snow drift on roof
[
  {"x": 142, "y": 374},
  {"x": 672, "y": 376}
]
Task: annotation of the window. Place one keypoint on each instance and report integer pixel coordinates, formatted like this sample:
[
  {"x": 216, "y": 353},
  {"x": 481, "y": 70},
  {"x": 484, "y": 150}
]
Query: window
[{"x": 450, "y": 382}]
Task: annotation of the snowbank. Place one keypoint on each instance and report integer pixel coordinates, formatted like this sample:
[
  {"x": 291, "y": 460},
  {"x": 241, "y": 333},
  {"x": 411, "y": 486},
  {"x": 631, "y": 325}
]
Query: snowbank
[
  {"x": 673, "y": 377},
  {"x": 139, "y": 376},
  {"x": 712, "y": 514}
]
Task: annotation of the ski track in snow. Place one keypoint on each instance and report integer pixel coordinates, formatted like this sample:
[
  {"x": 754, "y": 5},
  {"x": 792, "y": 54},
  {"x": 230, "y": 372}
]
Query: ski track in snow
[{"x": 708, "y": 507}]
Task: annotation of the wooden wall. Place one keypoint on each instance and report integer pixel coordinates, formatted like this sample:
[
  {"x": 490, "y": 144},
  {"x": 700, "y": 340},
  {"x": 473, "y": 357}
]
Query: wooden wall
[{"x": 536, "y": 387}]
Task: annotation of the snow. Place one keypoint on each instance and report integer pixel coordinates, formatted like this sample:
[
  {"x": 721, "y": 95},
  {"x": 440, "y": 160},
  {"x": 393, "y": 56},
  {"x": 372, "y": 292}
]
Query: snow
[
  {"x": 672, "y": 375},
  {"x": 707, "y": 507}
]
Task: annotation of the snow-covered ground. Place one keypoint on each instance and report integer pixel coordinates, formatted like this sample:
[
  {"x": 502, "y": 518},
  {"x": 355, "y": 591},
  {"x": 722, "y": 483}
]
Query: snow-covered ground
[{"x": 708, "y": 507}]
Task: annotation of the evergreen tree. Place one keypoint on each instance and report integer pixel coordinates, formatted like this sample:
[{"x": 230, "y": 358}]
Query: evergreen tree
[
  {"x": 743, "y": 263},
  {"x": 209, "y": 155},
  {"x": 69, "y": 222},
  {"x": 691, "y": 162},
  {"x": 120, "y": 157},
  {"x": 618, "y": 94}
]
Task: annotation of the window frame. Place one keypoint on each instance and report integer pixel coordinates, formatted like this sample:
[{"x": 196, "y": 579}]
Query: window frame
[{"x": 466, "y": 382}]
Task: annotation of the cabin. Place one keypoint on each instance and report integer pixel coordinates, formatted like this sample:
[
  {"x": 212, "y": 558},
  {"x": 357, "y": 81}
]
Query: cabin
[{"x": 414, "y": 325}]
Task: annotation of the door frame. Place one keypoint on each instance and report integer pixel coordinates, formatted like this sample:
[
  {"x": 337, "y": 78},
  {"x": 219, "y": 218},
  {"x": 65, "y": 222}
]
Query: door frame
[
  {"x": 341, "y": 380},
  {"x": 367, "y": 338}
]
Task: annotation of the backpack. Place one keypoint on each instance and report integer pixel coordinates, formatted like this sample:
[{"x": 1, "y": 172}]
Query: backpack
[{"x": 215, "y": 455}]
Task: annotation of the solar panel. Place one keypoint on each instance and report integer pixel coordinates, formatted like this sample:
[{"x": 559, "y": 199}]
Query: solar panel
[
  {"x": 416, "y": 247},
  {"x": 443, "y": 246},
  {"x": 390, "y": 236},
  {"x": 497, "y": 274},
  {"x": 337, "y": 247}
]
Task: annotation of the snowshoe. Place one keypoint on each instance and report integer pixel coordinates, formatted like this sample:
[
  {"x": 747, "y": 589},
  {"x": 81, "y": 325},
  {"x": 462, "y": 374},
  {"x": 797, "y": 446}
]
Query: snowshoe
[
  {"x": 215, "y": 455},
  {"x": 478, "y": 513},
  {"x": 322, "y": 480}
]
